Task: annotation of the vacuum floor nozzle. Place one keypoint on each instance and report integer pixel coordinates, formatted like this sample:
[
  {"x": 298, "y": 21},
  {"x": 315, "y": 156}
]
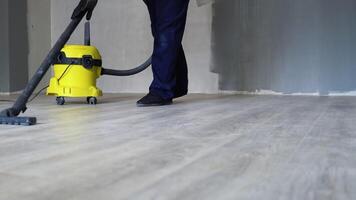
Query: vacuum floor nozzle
[{"x": 24, "y": 121}]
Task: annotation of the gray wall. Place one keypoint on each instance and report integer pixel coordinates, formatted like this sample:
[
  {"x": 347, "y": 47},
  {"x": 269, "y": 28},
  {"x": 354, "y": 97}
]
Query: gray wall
[
  {"x": 121, "y": 31},
  {"x": 19, "y": 49},
  {"x": 24, "y": 41},
  {"x": 285, "y": 46},
  {"x": 278, "y": 46},
  {"x": 14, "y": 45},
  {"x": 4, "y": 47}
]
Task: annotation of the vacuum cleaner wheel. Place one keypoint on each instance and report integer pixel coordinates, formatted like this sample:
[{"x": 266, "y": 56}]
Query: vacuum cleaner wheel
[
  {"x": 60, "y": 101},
  {"x": 92, "y": 100}
]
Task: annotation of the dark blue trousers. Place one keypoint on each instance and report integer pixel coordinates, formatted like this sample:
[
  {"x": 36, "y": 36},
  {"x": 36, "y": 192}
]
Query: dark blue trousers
[{"x": 169, "y": 66}]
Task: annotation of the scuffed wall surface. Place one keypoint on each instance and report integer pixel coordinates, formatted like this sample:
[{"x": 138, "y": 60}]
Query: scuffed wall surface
[
  {"x": 121, "y": 31},
  {"x": 286, "y": 46}
]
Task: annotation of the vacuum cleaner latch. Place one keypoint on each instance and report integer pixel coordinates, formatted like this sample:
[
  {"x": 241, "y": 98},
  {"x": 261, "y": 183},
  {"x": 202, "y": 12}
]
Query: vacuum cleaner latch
[{"x": 87, "y": 62}]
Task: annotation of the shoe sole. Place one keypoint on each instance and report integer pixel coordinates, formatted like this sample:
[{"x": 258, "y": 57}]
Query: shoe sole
[{"x": 154, "y": 104}]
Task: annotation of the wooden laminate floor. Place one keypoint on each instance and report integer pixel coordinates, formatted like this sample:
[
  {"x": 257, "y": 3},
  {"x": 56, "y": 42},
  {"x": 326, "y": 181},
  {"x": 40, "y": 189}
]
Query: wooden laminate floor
[{"x": 203, "y": 147}]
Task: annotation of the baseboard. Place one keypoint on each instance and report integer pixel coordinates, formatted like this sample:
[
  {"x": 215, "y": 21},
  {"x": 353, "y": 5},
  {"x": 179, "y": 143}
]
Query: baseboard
[
  {"x": 227, "y": 92},
  {"x": 270, "y": 92},
  {"x": 10, "y": 93}
]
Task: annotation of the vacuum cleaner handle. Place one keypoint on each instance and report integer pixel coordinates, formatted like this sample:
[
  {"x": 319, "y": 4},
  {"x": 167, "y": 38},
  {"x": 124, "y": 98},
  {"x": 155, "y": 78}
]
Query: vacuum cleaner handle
[{"x": 85, "y": 7}]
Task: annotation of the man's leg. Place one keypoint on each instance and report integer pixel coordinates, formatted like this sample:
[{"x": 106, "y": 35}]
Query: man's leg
[
  {"x": 151, "y": 11},
  {"x": 181, "y": 88},
  {"x": 168, "y": 61}
]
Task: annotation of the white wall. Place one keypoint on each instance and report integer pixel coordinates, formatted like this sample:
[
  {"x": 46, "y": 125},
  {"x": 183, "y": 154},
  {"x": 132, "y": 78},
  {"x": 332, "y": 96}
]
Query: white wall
[{"x": 121, "y": 31}]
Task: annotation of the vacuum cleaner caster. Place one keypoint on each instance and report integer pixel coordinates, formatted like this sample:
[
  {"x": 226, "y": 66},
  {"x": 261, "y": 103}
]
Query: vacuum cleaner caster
[
  {"x": 60, "y": 101},
  {"x": 92, "y": 100}
]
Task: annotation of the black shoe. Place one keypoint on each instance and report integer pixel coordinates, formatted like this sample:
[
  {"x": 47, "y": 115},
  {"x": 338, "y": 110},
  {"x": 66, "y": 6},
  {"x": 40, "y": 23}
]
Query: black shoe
[
  {"x": 153, "y": 100},
  {"x": 180, "y": 94}
]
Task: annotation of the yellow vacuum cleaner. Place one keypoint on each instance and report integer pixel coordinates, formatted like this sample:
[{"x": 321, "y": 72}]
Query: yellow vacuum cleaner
[
  {"x": 76, "y": 69},
  {"x": 75, "y": 74}
]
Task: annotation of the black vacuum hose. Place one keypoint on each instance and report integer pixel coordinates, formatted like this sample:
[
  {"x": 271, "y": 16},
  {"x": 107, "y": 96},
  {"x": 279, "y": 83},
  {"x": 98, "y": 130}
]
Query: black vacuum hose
[{"x": 130, "y": 72}]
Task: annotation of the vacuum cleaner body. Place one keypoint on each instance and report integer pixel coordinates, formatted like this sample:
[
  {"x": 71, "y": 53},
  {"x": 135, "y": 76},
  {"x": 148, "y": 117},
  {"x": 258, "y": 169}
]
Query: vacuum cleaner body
[{"x": 75, "y": 74}]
